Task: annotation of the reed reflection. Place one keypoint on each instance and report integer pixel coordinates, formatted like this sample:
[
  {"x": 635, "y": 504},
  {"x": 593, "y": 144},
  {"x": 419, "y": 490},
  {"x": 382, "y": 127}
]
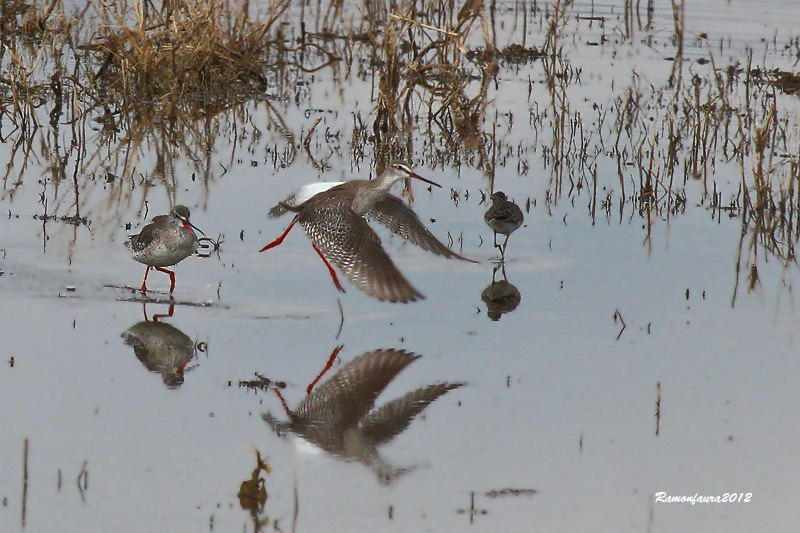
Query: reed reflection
[
  {"x": 340, "y": 417},
  {"x": 162, "y": 348},
  {"x": 253, "y": 494},
  {"x": 501, "y": 296}
]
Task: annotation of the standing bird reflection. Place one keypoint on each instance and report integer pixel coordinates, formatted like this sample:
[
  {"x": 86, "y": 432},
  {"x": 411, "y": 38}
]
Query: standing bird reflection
[
  {"x": 166, "y": 241},
  {"x": 335, "y": 219},
  {"x": 501, "y": 296},
  {"x": 161, "y": 348},
  {"x": 504, "y": 217}
]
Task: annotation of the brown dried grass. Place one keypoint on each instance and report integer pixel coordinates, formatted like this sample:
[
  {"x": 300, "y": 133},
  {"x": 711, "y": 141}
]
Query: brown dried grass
[{"x": 190, "y": 47}]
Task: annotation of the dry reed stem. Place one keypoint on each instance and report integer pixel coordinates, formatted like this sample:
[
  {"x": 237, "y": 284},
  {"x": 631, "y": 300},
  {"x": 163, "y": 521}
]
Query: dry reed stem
[{"x": 196, "y": 60}]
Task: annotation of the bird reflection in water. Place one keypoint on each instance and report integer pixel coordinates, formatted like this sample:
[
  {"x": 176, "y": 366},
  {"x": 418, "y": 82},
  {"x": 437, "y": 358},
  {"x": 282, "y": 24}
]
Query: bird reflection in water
[
  {"x": 501, "y": 296},
  {"x": 162, "y": 348},
  {"x": 339, "y": 415}
]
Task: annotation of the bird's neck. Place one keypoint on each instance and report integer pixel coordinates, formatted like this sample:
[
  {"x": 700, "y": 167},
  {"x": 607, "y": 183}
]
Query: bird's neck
[{"x": 366, "y": 196}]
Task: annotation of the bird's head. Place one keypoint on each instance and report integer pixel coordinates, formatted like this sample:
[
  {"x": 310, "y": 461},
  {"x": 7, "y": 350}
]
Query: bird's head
[{"x": 181, "y": 212}]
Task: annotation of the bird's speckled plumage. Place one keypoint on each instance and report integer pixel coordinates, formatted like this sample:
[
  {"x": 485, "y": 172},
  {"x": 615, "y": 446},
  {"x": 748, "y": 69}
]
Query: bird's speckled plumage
[
  {"x": 348, "y": 242},
  {"x": 504, "y": 216},
  {"x": 166, "y": 241},
  {"x": 335, "y": 219}
]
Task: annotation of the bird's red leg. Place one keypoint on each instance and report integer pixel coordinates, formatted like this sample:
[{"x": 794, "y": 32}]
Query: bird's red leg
[
  {"x": 328, "y": 366},
  {"x": 171, "y": 278},
  {"x": 168, "y": 315},
  {"x": 330, "y": 269},
  {"x": 279, "y": 240},
  {"x": 144, "y": 281},
  {"x": 283, "y": 402}
]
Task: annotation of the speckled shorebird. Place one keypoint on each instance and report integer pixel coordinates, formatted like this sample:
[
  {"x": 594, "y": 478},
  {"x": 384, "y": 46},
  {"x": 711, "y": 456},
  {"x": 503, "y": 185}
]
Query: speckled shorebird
[
  {"x": 339, "y": 415},
  {"x": 166, "y": 241},
  {"x": 335, "y": 219},
  {"x": 504, "y": 216}
]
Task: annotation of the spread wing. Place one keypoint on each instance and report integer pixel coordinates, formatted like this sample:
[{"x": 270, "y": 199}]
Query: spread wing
[
  {"x": 381, "y": 425},
  {"x": 348, "y": 242},
  {"x": 341, "y": 401},
  {"x": 401, "y": 220}
]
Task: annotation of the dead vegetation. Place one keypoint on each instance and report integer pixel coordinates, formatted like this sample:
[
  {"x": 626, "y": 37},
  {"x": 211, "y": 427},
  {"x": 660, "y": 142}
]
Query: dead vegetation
[
  {"x": 153, "y": 84},
  {"x": 195, "y": 49},
  {"x": 107, "y": 97}
]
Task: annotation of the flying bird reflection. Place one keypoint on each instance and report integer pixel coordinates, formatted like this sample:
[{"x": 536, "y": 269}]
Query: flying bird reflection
[{"x": 340, "y": 417}]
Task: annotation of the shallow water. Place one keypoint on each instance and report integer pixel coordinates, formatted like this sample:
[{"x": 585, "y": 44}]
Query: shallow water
[{"x": 637, "y": 362}]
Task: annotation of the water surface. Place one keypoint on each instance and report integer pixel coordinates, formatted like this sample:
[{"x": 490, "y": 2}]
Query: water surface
[{"x": 637, "y": 361}]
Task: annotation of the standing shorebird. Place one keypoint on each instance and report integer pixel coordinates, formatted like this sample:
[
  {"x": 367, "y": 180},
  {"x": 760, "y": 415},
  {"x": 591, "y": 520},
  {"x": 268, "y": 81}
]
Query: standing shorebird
[
  {"x": 504, "y": 216},
  {"x": 166, "y": 241},
  {"x": 340, "y": 416},
  {"x": 335, "y": 219}
]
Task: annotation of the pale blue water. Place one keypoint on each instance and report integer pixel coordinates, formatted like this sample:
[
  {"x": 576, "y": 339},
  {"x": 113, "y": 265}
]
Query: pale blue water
[{"x": 556, "y": 399}]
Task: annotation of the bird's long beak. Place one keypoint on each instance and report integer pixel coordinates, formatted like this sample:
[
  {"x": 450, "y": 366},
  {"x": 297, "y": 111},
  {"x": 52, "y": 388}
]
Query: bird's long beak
[
  {"x": 417, "y": 176},
  {"x": 187, "y": 225}
]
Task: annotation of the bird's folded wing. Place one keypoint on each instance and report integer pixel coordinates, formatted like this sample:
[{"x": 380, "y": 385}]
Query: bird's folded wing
[{"x": 149, "y": 233}]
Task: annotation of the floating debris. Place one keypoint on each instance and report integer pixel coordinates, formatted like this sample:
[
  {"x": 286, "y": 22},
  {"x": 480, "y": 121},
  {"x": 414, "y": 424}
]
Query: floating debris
[{"x": 510, "y": 492}]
